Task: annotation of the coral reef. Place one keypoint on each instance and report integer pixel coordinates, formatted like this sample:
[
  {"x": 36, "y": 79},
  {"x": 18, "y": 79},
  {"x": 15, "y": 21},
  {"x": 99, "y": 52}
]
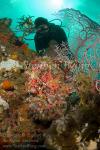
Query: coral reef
[
  {"x": 84, "y": 85},
  {"x": 45, "y": 102},
  {"x": 61, "y": 135},
  {"x": 46, "y": 80}
]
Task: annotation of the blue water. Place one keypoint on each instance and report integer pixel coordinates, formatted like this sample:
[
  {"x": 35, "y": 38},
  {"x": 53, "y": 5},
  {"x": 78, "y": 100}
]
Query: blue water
[{"x": 15, "y": 9}]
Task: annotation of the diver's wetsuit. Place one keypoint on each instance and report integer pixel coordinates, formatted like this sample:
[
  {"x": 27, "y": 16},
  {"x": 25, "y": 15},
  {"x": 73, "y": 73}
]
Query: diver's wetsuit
[{"x": 55, "y": 32}]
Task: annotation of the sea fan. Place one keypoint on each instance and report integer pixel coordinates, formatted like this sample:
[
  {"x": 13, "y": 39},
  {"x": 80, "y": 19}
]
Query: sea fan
[{"x": 84, "y": 40}]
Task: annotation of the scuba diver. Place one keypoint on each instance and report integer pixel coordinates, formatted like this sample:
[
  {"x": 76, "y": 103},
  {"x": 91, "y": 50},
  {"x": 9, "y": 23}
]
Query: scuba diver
[
  {"x": 47, "y": 32},
  {"x": 48, "y": 36}
]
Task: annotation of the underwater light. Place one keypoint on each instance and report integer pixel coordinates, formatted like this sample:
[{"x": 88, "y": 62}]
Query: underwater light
[{"x": 57, "y": 4}]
